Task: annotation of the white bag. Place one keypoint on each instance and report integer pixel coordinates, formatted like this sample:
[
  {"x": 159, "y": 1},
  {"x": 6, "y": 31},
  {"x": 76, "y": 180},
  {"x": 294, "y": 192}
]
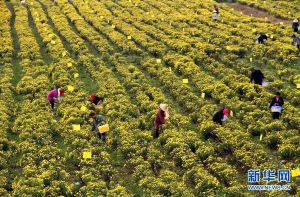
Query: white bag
[
  {"x": 224, "y": 118},
  {"x": 276, "y": 109},
  {"x": 265, "y": 83}
]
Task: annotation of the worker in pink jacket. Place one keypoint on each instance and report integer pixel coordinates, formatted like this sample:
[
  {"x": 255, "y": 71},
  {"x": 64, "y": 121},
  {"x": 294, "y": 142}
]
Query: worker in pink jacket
[{"x": 54, "y": 96}]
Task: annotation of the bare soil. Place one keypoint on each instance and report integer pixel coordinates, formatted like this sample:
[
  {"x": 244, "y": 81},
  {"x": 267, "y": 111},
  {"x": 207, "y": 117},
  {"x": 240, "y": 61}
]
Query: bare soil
[{"x": 251, "y": 11}]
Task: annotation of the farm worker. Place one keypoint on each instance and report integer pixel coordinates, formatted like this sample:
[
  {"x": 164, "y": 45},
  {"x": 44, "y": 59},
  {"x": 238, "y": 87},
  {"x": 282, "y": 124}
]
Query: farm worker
[
  {"x": 257, "y": 76},
  {"x": 54, "y": 96},
  {"x": 276, "y": 105},
  {"x": 221, "y": 115},
  {"x": 296, "y": 41},
  {"x": 216, "y": 8},
  {"x": 215, "y": 15},
  {"x": 97, "y": 101},
  {"x": 98, "y": 120},
  {"x": 295, "y": 25},
  {"x": 161, "y": 116},
  {"x": 262, "y": 37}
]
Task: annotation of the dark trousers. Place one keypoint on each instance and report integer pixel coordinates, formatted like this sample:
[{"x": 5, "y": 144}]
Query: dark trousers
[
  {"x": 52, "y": 104},
  {"x": 261, "y": 40},
  {"x": 102, "y": 136},
  {"x": 157, "y": 132},
  {"x": 258, "y": 82},
  {"x": 275, "y": 115}
]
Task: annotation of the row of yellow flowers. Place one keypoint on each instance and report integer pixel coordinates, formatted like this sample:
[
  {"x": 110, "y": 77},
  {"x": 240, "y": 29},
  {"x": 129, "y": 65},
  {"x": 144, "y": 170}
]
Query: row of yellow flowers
[{"x": 94, "y": 22}]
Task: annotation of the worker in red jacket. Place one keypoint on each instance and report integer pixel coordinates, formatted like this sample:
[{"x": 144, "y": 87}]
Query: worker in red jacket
[
  {"x": 54, "y": 96},
  {"x": 161, "y": 116}
]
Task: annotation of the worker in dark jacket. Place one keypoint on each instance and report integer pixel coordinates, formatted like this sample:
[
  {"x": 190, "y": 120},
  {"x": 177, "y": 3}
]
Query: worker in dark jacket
[
  {"x": 262, "y": 37},
  {"x": 276, "y": 105},
  {"x": 161, "y": 116},
  {"x": 97, "y": 101},
  {"x": 295, "y": 25},
  {"x": 221, "y": 115},
  {"x": 98, "y": 120},
  {"x": 216, "y": 8},
  {"x": 257, "y": 76}
]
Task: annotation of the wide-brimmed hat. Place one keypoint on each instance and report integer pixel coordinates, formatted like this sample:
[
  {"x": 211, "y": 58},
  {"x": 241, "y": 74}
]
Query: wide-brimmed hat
[
  {"x": 295, "y": 21},
  {"x": 164, "y": 107},
  {"x": 215, "y": 11}
]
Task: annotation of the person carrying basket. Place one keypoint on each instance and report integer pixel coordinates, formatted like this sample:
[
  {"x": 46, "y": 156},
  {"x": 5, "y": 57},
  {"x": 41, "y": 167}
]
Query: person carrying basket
[{"x": 99, "y": 126}]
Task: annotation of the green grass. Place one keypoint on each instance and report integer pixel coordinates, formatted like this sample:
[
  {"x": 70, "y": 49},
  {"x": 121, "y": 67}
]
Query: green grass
[
  {"x": 43, "y": 49},
  {"x": 89, "y": 84}
]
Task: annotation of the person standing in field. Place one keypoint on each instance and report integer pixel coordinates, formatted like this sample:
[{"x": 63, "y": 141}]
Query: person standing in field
[
  {"x": 276, "y": 105},
  {"x": 54, "y": 96},
  {"x": 216, "y": 9},
  {"x": 98, "y": 120},
  {"x": 161, "y": 116},
  {"x": 221, "y": 115},
  {"x": 261, "y": 38},
  {"x": 295, "y": 25},
  {"x": 257, "y": 76},
  {"x": 215, "y": 15}
]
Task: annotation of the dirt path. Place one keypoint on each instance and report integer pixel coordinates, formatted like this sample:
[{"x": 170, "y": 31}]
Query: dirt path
[{"x": 251, "y": 11}]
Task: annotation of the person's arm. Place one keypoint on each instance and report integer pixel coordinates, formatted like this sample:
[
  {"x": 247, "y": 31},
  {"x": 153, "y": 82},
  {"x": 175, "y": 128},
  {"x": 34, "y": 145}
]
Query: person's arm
[
  {"x": 100, "y": 101},
  {"x": 282, "y": 102},
  {"x": 93, "y": 126},
  {"x": 58, "y": 99},
  {"x": 262, "y": 75}
]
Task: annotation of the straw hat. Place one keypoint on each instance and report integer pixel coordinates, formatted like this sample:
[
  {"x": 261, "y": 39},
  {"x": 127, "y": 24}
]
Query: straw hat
[
  {"x": 164, "y": 107},
  {"x": 215, "y": 11},
  {"x": 295, "y": 21}
]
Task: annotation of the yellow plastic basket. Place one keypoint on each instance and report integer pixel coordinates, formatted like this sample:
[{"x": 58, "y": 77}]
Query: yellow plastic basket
[
  {"x": 98, "y": 108},
  {"x": 103, "y": 128}
]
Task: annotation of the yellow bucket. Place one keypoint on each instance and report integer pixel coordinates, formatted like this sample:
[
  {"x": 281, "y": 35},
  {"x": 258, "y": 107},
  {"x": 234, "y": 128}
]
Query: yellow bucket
[{"x": 103, "y": 128}]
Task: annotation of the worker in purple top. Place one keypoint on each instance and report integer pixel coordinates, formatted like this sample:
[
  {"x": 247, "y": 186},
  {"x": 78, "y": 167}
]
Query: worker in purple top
[{"x": 54, "y": 96}]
